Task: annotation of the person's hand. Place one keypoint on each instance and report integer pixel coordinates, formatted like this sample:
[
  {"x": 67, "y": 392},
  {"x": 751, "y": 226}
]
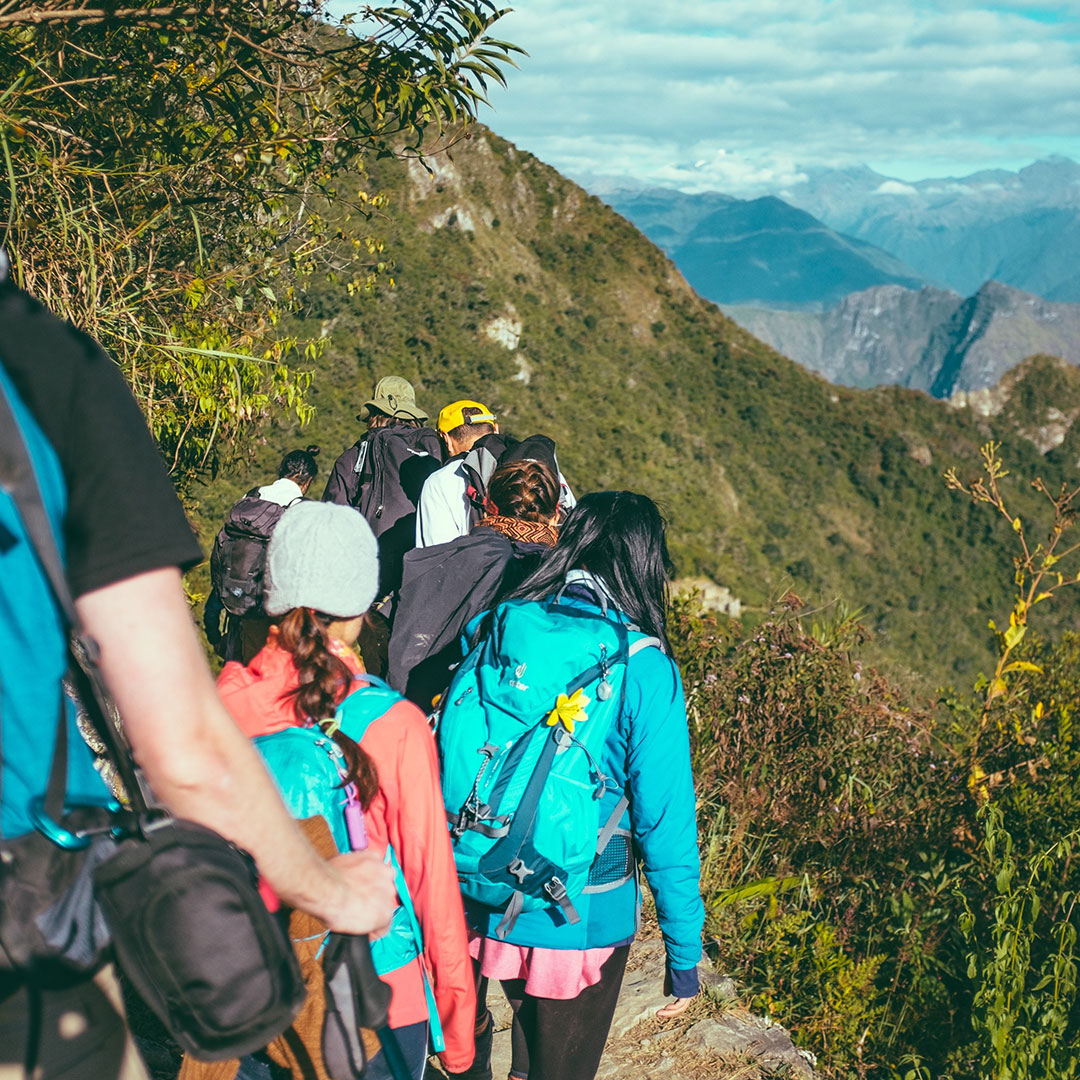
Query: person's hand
[
  {"x": 673, "y": 1008},
  {"x": 366, "y": 897}
]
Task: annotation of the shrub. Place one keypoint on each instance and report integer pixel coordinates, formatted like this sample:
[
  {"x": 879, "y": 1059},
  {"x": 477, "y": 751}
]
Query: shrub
[{"x": 827, "y": 812}]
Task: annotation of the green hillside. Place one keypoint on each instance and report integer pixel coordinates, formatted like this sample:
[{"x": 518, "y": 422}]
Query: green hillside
[{"x": 516, "y": 287}]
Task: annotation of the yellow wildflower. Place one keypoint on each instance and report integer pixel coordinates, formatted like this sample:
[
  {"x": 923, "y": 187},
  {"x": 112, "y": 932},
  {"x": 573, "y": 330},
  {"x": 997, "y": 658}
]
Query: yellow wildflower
[{"x": 570, "y": 710}]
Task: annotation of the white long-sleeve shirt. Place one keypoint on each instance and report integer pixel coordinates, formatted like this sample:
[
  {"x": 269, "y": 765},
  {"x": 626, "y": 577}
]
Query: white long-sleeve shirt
[
  {"x": 282, "y": 491},
  {"x": 443, "y": 513}
]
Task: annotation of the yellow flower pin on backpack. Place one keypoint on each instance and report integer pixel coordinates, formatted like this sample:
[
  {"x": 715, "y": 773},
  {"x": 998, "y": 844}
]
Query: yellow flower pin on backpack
[{"x": 570, "y": 710}]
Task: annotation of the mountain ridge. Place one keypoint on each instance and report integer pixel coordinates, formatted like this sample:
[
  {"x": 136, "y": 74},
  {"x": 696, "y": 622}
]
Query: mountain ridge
[
  {"x": 760, "y": 250},
  {"x": 1021, "y": 228}
]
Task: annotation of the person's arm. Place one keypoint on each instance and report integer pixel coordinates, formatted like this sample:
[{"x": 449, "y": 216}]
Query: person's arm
[
  {"x": 212, "y": 621},
  {"x": 343, "y": 481},
  {"x": 429, "y": 506},
  {"x": 198, "y": 762},
  {"x": 663, "y": 810},
  {"x": 567, "y": 498}
]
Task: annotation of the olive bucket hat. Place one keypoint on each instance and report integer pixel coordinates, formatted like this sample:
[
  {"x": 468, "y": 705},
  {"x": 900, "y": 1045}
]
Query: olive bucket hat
[{"x": 394, "y": 396}]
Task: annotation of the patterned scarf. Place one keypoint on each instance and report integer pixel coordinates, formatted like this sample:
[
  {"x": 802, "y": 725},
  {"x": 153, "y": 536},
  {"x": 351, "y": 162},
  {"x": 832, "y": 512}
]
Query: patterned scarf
[{"x": 527, "y": 532}]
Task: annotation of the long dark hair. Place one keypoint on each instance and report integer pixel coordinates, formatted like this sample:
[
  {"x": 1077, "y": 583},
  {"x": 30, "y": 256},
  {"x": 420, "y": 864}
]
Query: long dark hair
[
  {"x": 619, "y": 537},
  {"x": 324, "y": 682}
]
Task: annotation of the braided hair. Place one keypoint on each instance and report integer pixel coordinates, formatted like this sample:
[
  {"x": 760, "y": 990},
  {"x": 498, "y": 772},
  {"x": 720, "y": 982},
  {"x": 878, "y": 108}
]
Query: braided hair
[
  {"x": 324, "y": 682},
  {"x": 526, "y": 490}
]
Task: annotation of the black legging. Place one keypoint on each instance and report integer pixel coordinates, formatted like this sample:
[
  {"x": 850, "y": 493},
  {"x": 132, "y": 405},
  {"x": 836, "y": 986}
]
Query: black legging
[{"x": 553, "y": 1039}]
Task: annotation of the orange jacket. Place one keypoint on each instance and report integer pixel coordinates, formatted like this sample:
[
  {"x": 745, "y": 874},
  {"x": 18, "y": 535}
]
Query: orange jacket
[{"x": 408, "y": 813}]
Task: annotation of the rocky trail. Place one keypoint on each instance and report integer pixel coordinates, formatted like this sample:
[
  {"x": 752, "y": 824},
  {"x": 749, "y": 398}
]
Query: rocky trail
[{"x": 715, "y": 1038}]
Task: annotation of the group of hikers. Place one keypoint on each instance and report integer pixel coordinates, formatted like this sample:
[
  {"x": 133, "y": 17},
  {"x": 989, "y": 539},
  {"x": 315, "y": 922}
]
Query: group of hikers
[{"x": 456, "y": 675}]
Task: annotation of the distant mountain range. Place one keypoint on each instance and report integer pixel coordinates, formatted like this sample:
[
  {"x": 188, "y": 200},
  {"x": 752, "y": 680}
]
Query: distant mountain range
[
  {"x": 863, "y": 229},
  {"x": 1019, "y": 228},
  {"x": 758, "y": 251},
  {"x": 862, "y": 277},
  {"x": 929, "y": 339}
]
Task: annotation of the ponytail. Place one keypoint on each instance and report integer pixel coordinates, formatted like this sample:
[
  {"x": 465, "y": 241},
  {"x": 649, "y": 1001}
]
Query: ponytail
[{"x": 324, "y": 682}]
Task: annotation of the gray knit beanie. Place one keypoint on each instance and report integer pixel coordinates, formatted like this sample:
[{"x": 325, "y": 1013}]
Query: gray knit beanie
[{"x": 322, "y": 556}]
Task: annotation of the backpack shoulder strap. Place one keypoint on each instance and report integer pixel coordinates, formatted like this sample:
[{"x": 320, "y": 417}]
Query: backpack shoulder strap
[
  {"x": 361, "y": 448},
  {"x": 365, "y": 705},
  {"x": 645, "y": 643},
  {"x": 20, "y": 480},
  {"x": 437, "y": 1038}
]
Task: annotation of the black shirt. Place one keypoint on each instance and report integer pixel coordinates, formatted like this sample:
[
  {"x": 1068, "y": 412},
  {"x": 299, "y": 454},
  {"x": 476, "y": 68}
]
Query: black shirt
[{"x": 123, "y": 515}]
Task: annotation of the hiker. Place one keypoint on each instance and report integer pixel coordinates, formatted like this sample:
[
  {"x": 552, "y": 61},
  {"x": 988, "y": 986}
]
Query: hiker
[
  {"x": 238, "y": 560},
  {"x": 452, "y": 500},
  {"x": 444, "y": 512},
  {"x": 576, "y": 707},
  {"x": 323, "y": 576},
  {"x": 445, "y": 586},
  {"x": 382, "y": 474},
  {"x": 110, "y": 502}
]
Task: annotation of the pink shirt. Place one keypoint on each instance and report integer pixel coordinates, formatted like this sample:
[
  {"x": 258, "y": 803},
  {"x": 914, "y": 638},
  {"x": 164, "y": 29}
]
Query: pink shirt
[{"x": 548, "y": 973}]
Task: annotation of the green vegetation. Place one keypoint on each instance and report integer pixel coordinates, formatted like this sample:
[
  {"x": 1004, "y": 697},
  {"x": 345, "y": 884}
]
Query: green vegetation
[
  {"x": 237, "y": 206},
  {"x": 174, "y": 175},
  {"x": 771, "y": 477},
  {"x": 896, "y": 881}
]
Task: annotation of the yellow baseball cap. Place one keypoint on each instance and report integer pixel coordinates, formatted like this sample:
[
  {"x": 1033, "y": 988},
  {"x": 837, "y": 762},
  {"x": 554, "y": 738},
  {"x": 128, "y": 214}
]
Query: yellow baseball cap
[{"x": 453, "y": 416}]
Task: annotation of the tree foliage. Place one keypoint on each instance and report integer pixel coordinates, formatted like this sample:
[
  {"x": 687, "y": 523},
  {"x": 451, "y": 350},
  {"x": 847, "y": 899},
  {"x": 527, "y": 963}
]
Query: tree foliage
[{"x": 173, "y": 175}]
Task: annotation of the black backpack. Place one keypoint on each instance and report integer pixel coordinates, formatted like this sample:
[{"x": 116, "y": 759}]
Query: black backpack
[
  {"x": 392, "y": 464},
  {"x": 238, "y": 561}
]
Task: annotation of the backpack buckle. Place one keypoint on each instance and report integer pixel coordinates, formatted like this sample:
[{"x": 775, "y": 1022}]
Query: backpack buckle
[
  {"x": 519, "y": 870},
  {"x": 555, "y": 889}
]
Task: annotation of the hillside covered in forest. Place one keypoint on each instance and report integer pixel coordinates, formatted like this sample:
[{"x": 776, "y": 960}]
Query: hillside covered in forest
[{"x": 512, "y": 285}]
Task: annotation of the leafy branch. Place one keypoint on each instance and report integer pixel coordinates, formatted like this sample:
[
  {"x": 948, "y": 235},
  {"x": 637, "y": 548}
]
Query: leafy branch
[{"x": 1042, "y": 569}]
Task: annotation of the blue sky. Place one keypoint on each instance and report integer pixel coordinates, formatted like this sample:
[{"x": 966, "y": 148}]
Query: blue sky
[{"x": 743, "y": 95}]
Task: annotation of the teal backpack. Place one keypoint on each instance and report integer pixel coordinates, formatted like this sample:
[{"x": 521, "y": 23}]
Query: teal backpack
[
  {"x": 521, "y": 734},
  {"x": 307, "y": 766}
]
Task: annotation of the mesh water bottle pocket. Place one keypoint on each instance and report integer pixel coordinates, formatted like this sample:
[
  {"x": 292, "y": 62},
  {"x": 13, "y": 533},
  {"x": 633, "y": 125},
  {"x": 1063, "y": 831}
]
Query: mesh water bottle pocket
[{"x": 613, "y": 866}]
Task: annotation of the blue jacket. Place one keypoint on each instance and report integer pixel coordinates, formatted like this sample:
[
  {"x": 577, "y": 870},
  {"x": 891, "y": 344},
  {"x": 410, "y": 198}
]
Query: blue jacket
[{"x": 648, "y": 755}]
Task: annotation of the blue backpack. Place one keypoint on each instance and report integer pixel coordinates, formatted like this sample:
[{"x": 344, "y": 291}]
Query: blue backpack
[
  {"x": 522, "y": 731},
  {"x": 307, "y": 766}
]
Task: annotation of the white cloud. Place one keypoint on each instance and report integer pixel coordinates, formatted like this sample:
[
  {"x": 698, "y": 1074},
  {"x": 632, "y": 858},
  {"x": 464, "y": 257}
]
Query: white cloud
[
  {"x": 894, "y": 187},
  {"x": 654, "y": 91},
  {"x": 650, "y": 89}
]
